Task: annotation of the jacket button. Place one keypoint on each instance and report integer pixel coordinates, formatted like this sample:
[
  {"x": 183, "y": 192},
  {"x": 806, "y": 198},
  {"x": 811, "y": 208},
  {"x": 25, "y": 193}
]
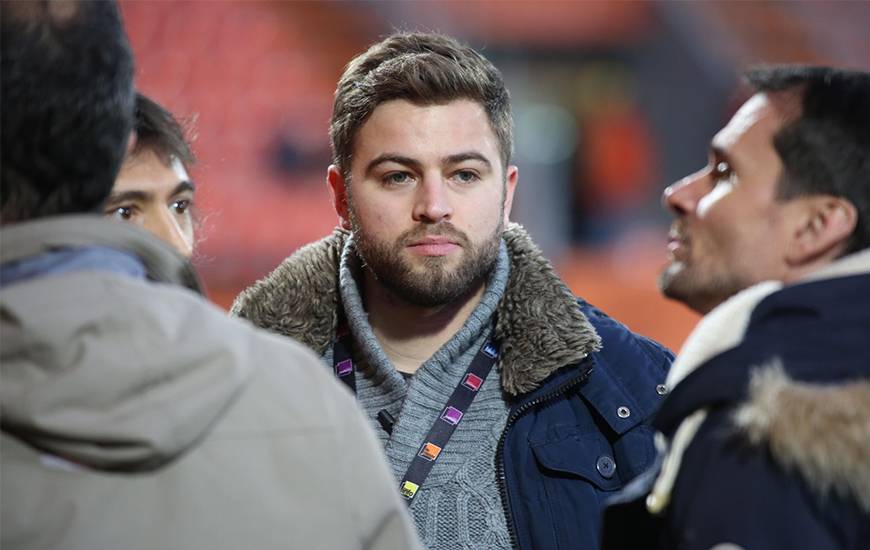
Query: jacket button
[
  {"x": 623, "y": 412},
  {"x": 661, "y": 389},
  {"x": 606, "y": 466}
]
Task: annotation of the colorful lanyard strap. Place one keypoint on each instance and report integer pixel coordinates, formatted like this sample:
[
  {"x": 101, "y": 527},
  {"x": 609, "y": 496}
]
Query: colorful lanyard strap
[{"x": 441, "y": 431}]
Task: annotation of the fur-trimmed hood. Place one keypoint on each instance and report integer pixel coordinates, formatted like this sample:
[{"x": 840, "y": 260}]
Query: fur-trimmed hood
[
  {"x": 820, "y": 431},
  {"x": 540, "y": 326}
]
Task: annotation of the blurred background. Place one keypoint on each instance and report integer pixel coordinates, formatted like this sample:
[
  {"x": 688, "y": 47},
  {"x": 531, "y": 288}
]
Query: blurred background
[{"x": 613, "y": 101}]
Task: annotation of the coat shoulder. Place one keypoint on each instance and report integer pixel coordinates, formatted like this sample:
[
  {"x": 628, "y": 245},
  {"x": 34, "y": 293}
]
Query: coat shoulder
[
  {"x": 610, "y": 328},
  {"x": 628, "y": 355}
]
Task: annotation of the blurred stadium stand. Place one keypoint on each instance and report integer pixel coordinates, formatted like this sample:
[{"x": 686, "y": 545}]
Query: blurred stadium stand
[{"x": 613, "y": 101}]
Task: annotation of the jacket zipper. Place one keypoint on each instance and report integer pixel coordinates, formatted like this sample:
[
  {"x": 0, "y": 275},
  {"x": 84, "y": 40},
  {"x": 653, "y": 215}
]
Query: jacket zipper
[{"x": 500, "y": 473}]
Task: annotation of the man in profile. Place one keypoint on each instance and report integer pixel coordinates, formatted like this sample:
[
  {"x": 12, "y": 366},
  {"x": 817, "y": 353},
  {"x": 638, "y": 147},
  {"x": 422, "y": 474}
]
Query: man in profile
[
  {"x": 765, "y": 433},
  {"x": 508, "y": 408},
  {"x": 134, "y": 414},
  {"x": 153, "y": 189}
]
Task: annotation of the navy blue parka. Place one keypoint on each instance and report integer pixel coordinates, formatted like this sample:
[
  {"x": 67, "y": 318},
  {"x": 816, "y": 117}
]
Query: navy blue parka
[{"x": 803, "y": 479}]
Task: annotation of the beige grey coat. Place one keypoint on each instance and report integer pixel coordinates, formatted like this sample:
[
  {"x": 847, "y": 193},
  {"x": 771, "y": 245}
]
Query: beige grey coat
[{"x": 136, "y": 415}]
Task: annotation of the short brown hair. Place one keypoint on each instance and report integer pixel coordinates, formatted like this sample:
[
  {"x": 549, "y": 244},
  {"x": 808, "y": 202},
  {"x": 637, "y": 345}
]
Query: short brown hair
[{"x": 424, "y": 69}]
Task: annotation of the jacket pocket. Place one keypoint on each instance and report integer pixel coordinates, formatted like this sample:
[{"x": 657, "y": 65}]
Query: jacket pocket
[{"x": 586, "y": 457}]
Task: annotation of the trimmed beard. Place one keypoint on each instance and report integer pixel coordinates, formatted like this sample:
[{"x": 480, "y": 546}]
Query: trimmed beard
[
  {"x": 680, "y": 282},
  {"x": 435, "y": 284}
]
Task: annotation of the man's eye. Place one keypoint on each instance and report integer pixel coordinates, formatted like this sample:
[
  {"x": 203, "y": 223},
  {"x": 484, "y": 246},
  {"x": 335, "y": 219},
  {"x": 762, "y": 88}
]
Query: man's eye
[
  {"x": 397, "y": 178},
  {"x": 466, "y": 176},
  {"x": 122, "y": 213},
  {"x": 181, "y": 206},
  {"x": 722, "y": 172}
]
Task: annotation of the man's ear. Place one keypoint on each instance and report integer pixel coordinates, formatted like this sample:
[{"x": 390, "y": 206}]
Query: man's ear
[
  {"x": 825, "y": 224},
  {"x": 511, "y": 179},
  {"x": 338, "y": 190}
]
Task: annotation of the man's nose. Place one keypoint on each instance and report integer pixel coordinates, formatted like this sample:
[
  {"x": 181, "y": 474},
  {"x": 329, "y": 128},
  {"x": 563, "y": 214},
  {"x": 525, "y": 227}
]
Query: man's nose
[
  {"x": 167, "y": 228},
  {"x": 682, "y": 197},
  {"x": 432, "y": 201}
]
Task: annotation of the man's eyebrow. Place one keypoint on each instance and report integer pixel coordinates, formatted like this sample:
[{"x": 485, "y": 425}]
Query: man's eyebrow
[
  {"x": 392, "y": 157},
  {"x": 720, "y": 155},
  {"x": 467, "y": 155},
  {"x": 184, "y": 186},
  {"x": 125, "y": 196},
  {"x": 412, "y": 163}
]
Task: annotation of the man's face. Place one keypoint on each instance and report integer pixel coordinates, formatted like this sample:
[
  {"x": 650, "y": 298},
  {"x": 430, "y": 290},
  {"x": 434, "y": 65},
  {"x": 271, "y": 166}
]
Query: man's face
[
  {"x": 428, "y": 199},
  {"x": 730, "y": 230},
  {"x": 157, "y": 197}
]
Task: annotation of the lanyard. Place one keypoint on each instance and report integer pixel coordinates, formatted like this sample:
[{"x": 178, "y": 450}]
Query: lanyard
[{"x": 441, "y": 431}]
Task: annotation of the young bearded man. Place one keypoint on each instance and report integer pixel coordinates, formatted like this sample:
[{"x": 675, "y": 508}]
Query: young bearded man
[
  {"x": 767, "y": 429},
  {"x": 508, "y": 409},
  {"x": 135, "y": 414},
  {"x": 153, "y": 189}
]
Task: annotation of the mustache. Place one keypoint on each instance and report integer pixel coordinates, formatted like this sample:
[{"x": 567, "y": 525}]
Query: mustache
[
  {"x": 444, "y": 229},
  {"x": 679, "y": 231}
]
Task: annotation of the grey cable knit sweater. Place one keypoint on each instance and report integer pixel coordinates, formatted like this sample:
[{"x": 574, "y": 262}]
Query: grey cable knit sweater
[{"x": 459, "y": 505}]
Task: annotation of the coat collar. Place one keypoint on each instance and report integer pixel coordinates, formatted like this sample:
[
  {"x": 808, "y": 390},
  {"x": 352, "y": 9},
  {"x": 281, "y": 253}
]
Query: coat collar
[
  {"x": 540, "y": 326},
  {"x": 27, "y": 239},
  {"x": 727, "y": 360},
  {"x": 714, "y": 346}
]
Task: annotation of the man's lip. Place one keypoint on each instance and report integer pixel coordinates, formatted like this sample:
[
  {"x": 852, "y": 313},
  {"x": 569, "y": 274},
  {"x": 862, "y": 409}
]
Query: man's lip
[
  {"x": 677, "y": 242},
  {"x": 432, "y": 241},
  {"x": 678, "y": 247},
  {"x": 676, "y": 236},
  {"x": 433, "y": 246}
]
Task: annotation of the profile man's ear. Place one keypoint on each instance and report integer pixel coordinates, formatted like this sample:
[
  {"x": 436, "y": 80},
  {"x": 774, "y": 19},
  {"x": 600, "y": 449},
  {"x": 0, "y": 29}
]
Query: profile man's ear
[
  {"x": 338, "y": 190},
  {"x": 823, "y": 230}
]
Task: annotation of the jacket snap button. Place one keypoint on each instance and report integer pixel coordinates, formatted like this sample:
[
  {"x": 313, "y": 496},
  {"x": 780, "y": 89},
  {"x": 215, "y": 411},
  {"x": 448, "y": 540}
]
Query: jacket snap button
[
  {"x": 661, "y": 389},
  {"x": 606, "y": 466},
  {"x": 623, "y": 412}
]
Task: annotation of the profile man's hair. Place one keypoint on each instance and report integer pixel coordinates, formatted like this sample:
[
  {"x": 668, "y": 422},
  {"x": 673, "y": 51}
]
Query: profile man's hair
[
  {"x": 67, "y": 106},
  {"x": 826, "y": 149},
  {"x": 157, "y": 130},
  {"x": 425, "y": 69}
]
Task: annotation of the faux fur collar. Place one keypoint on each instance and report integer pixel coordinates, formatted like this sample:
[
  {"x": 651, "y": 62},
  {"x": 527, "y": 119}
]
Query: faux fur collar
[
  {"x": 820, "y": 431},
  {"x": 540, "y": 326}
]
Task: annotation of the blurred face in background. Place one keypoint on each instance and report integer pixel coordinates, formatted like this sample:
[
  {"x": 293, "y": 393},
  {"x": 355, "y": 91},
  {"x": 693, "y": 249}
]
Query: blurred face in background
[
  {"x": 427, "y": 200},
  {"x": 156, "y": 196}
]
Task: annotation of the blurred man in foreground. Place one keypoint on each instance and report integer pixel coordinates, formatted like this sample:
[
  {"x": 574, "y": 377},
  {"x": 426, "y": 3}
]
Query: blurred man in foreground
[
  {"x": 766, "y": 431},
  {"x": 134, "y": 414},
  {"x": 153, "y": 189},
  {"x": 507, "y": 407}
]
